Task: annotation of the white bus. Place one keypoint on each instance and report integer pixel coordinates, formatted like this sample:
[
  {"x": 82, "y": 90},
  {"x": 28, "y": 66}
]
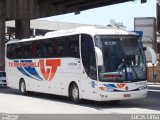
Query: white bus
[{"x": 82, "y": 63}]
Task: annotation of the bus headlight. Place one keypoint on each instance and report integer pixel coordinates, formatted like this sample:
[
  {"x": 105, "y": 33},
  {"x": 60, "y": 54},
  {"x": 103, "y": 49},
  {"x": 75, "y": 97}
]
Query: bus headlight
[
  {"x": 143, "y": 87},
  {"x": 106, "y": 89}
]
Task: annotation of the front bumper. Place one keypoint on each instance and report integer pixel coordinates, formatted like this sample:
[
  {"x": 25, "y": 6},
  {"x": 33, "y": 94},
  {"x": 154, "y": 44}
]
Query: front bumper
[{"x": 109, "y": 96}]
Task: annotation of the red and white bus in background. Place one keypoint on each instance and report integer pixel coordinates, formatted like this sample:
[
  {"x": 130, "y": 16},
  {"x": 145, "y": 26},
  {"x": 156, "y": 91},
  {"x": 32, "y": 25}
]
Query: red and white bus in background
[{"x": 82, "y": 63}]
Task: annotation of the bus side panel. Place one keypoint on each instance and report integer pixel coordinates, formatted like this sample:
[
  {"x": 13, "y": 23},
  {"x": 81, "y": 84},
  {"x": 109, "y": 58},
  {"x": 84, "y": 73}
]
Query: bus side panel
[
  {"x": 12, "y": 78},
  {"x": 89, "y": 87},
  {"x": 14, "y": 75},
  {"x": 72, "y": 70}
]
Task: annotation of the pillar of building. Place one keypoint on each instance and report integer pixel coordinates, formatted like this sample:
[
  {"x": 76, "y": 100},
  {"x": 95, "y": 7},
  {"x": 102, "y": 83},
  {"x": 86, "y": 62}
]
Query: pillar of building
[
  {"x": 158, "y": 17},
  {"x": 2, "y": 35},
  {"x": 2, "y": 44},
  {"x": 22, "y": 28}
]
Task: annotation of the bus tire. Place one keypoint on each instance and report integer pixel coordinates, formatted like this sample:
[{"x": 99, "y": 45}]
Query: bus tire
[
  {"x": 22, "y": 87},
  {"x": 74, "y": 93}
]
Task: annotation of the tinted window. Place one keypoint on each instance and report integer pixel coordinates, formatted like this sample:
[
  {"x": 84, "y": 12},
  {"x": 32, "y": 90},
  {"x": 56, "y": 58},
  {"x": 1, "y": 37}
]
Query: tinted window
[
  {"x": 67, "y": 46},
  {"x": 60, "y": 47},
  {"x": 73, "y": 46},
  {"x": 88, "y": 56}
]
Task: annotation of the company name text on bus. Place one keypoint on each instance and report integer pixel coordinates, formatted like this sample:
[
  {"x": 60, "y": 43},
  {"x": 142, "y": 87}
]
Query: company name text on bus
[{"x": 25, "y": 64}]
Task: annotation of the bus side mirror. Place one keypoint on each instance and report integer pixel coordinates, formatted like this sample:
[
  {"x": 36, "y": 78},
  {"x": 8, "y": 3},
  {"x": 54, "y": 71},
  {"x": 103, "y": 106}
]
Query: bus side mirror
[
  {"x": 153, "y": 54},
  {"x": 99, "y": 56}
]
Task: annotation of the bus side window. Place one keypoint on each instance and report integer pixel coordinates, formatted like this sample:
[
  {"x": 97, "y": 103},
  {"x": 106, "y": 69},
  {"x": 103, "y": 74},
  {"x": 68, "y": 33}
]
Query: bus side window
[
  {"x": 59, "y": 47},
  {"x": 27, "y": 50},
  {"x": 14, "y": 52},
  {"x": 53, "y": 48},
  {"x": 19, "y": 52},
  {"x": 48, "y": 48},
  {"x": 38, "y": 51},
  {"x": 88, "y": 56},
  {"x": 33, "y": 49},
  {"x": 10, "y": 51},
  {"x": 73, "y": 48},
  {"x": 44, "y": 50}
]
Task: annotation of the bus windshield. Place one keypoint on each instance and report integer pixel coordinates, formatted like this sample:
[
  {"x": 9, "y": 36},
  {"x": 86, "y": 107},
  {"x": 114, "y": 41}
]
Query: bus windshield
[{"x": 123, "y": 58}]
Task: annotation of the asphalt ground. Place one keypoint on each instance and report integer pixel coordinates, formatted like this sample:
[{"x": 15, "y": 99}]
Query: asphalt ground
[{"x": 38, "y": 106}]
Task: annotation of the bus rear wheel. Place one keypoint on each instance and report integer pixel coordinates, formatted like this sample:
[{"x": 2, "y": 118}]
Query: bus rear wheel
[
  {"x": 74, "y": 93},
  {"x": 22, "y": 87}
]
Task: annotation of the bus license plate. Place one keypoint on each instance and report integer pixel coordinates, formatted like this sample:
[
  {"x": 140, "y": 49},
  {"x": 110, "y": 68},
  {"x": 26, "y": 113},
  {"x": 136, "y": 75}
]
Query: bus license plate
[{"x": 127, "y": 95}]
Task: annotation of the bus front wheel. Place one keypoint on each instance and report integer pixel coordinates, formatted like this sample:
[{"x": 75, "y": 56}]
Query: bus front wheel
[
  {"x": 74, "y": 93},
  {"x": 22, "y": 87}
]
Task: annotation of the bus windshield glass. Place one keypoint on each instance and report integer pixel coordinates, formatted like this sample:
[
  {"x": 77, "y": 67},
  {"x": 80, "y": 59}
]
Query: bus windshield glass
[{"x": 123, "y": 58}]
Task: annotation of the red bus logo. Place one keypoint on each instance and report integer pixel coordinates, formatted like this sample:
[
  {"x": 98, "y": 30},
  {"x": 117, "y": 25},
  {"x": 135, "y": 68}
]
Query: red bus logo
[{"x": 49, "y": 68}]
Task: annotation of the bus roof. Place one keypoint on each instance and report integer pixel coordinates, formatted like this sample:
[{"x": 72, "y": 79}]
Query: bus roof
[{"x": 79, "y": 30}]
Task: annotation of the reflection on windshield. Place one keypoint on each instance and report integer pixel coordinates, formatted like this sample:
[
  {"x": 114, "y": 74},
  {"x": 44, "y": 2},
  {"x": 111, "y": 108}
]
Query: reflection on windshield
[{"x": 123, "y": 58}]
